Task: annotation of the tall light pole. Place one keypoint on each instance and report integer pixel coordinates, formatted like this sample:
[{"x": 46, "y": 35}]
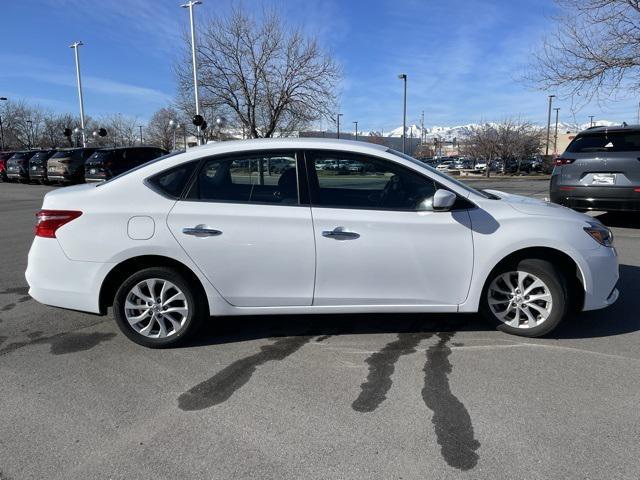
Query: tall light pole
[
  {"x": 75, "y": 46},
  {"x": 422, "y": 128},
  {"x": 546, "y": 153},
  {"x": 356, "y": 124},
  {"x": 403, "y": 76},
  {"x": 338, "y": 124},
  {"x": 4, "y": 99},
  {"x": 555, "y": 136},
  {"x": 190, "y": 4},
  {"x": 591, "y": 120},
  {"x": 140, "y": 127}
]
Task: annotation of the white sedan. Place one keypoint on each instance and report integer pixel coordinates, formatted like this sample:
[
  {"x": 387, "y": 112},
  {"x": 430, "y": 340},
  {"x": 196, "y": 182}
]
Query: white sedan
[{"x": 215, "y": 231}]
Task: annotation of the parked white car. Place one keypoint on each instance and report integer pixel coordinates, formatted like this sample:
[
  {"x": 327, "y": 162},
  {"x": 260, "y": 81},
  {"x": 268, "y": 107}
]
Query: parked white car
[{"x": 213, "y": 232}]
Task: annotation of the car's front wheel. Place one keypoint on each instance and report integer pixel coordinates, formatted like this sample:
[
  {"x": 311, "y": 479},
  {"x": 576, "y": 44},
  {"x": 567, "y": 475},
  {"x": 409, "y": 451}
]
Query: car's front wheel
[
  {"x": 157, "y": 307},
  {"x": 527, "y": 298}
]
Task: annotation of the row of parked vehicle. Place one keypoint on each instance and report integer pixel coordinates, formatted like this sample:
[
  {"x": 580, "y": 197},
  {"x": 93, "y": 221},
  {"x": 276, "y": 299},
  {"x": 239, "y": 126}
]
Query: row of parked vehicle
[
  {"x": 528, "y": 165},
  {"x": 73, "y": 165}
]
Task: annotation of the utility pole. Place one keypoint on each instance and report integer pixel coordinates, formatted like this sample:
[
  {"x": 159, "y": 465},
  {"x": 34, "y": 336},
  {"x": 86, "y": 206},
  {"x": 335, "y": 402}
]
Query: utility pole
[
  {"x": 555, "y": 137},
  {"x": 422, "y": 128},
  {"x": 190, "y": 4},
  {"x": 403, "y": 76},
  {"x": 75, "y": 46},
  {"x": 591, "y": 120},
  {"x": 356, "y": 123},
  {"x": 140, "y": 126},
  {"x": 338, "y": 124},
  {"x": 546, "y": 153}
]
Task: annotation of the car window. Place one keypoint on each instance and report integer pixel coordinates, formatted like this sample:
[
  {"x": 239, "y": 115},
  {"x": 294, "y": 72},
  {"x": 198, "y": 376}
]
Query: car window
[
  {"x": 172, "y": 182},
  {"x": 356, "y": 181},
  {"x": 264, "y": 178},
  {"x": 606, "y": 142}
]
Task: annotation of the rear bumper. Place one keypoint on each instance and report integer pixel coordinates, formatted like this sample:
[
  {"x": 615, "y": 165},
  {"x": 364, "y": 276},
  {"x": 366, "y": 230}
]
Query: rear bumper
[
  {"x": 622, "y": 199},
  {"x": 57, "y": 281}
]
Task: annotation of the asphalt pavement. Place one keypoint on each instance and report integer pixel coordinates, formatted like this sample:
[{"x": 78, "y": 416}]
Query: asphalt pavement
[{"x": 316, "y": 397}]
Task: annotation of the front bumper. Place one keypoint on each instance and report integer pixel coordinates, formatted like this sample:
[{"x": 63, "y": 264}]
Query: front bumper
[
  {"x": 600, "y": 275},
  {"x": 58, "y": 281},
  {"x": 620, "y": 199}
]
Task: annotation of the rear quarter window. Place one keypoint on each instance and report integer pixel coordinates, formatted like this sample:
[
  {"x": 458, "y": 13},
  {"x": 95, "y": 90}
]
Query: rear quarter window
[{"x": 173, "y": 181}]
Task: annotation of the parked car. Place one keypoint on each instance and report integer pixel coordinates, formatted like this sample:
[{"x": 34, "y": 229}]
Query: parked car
[
  {"x": 109, "y": 162},
  {"x": 18, "y": 166},
  {"x": 480, "y": 166},
  {"x": 67, "y": 165},
  {"x": 599, "y": 170},
  {"x": 187, "y": 236},
  {"x": 4, "y": 156},
  {"x": 38, "y": 166},
  {"x": 445, "y": 165}
]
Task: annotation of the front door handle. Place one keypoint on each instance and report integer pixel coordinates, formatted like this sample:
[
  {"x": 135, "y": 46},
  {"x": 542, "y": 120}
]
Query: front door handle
[
  {"x": 340, "y": 233},
  {"x": 201, "y": 231}
]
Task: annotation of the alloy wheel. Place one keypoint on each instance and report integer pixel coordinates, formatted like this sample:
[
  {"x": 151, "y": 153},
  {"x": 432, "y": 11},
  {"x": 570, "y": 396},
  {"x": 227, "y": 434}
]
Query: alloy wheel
[
  {"x": 519, "y": 299},
  {"x": 156, "y": 308}
]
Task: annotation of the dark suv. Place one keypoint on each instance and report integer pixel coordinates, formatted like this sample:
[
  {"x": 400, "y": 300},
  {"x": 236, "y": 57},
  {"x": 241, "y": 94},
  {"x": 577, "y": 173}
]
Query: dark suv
[
  {"x": 109, "y": 162},
  {"x": 67, "y": 165},
  {"x": 600, "y": 170},
  {"x": 38, "y": 166},
  {"x": 18, "y": 165}
]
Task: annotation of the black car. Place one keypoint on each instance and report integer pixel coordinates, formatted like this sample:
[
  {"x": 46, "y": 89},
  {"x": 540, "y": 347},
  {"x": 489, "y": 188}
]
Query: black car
[
  {"x": 599, "y": 170},
  {"x": 18, "y": 165},
  {"x": 38, "y": 166},
  {"x": 67, "y": 165},
  {"x": 109, "y": 162}
]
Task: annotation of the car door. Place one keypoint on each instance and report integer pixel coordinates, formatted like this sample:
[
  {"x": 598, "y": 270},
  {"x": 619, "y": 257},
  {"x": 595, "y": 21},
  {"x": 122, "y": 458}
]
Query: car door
[
  {"x": 248, "y": 228},
  {"x": 378, "y": 241}
]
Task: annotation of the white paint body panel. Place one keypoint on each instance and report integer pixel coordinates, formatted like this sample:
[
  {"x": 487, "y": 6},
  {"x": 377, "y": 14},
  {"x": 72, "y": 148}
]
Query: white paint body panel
[{"x": 273, "y": 259}]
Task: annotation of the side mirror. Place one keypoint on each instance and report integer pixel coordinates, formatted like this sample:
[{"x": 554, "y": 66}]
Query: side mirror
[{"x": 443, "y": 200}]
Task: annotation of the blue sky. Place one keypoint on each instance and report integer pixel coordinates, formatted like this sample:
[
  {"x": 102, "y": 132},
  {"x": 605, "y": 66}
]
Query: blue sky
[{"x": 463, "y": 58}]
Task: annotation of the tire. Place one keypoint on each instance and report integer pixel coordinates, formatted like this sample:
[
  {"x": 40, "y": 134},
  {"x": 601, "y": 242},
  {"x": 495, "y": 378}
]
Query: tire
[
  {"x": 529, "y": 304},
  {"x": 148, "y": 331}
]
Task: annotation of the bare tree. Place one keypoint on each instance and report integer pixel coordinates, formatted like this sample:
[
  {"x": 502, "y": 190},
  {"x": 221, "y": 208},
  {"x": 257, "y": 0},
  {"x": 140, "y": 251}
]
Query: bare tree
[
  {"x": 594, "y": 51},
  {"x": 159, "y": 132},
  {"x": 121, "y": 130},
  {"x": 263, "y": 75}
]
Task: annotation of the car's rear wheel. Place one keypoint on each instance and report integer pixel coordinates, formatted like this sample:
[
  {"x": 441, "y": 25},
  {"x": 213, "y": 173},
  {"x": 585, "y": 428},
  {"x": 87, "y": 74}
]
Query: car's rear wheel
[
  {"x": 157, "y": 307},
  {"x": 527, "y": 298}
]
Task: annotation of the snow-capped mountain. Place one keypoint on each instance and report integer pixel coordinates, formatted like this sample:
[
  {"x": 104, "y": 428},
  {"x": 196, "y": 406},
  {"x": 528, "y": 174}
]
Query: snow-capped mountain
[{"x": 463, "y": 131}]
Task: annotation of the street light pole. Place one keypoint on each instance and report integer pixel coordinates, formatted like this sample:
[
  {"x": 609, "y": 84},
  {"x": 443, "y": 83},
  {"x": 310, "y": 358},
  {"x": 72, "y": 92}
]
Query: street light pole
[
  {"x": 555, "y": 136},
  {"x": 4, "y": 99},
  {"x": 173, "y": 125},
  {"x": 546, "y": 153},
  {"x": 356, "y": 123},
  {"x": 591, "y": 120},
  {"x": 403, "y": 76},
  {"x": 338, "y": 124},
  {"x": 75, "y": 46},
  {"x": 140, "y": 126},
  {"x": 190, "y": 4}
]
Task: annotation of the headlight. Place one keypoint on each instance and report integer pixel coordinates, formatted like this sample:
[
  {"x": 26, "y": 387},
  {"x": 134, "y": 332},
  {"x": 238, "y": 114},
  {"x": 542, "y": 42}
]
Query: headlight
[{"x": 600, "y": 233}]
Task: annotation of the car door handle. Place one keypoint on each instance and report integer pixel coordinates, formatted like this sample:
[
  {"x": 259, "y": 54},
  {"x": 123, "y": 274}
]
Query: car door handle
[
  {"x": 201, "y": 231},
  {"x": 340, "y": 233}
]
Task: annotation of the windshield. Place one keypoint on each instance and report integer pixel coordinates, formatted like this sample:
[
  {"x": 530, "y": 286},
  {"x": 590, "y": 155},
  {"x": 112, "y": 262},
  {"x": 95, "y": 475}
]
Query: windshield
[
  {"x": 441, "y": 175},
  {"x": 141, "y": 166}
]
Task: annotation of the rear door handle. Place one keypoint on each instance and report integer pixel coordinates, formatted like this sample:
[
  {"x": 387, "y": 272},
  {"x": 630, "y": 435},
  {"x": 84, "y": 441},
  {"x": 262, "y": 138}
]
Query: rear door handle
[
  {"x": 340, "y": 233},
  {"x": 201, "y": 231}
]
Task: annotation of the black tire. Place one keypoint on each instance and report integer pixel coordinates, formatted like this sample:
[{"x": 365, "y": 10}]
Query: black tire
[
  {"x": 196, "y": 301},
  {"x": 556, "y": 283}
]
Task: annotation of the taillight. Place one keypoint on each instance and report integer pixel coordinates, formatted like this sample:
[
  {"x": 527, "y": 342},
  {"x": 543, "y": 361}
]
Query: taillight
[
  {"x": 51, "y": 220},
  {"x": 563, "y": 161}
]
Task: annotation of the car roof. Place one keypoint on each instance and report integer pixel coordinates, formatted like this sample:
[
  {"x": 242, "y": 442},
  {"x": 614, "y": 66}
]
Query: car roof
[
  {"x": 613, "y": 128},
  {"x": 290, "y": 142}
]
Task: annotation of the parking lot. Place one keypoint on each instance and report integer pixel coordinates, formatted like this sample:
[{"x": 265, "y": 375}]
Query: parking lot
[{"x": 345, "y": 397}]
